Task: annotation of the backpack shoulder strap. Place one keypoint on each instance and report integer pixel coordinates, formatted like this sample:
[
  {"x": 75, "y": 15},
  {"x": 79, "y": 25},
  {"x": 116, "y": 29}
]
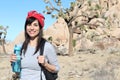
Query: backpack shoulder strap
[{"x": 42, "y": 44}]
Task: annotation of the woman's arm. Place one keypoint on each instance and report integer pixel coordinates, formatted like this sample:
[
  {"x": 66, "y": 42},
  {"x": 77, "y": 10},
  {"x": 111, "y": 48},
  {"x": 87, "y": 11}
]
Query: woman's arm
[{"x": 49, "y": 59}]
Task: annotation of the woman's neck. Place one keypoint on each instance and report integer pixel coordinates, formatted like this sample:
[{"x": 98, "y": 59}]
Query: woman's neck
[{"x": 33, "y": 42}]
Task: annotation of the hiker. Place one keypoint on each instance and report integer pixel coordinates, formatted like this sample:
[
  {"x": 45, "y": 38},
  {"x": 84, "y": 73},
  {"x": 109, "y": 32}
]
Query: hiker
[{"x": 31, "y": 60}]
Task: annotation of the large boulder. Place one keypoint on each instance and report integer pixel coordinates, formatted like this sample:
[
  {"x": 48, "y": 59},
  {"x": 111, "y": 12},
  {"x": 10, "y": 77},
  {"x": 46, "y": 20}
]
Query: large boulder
[{"x": 58, "y": 32}]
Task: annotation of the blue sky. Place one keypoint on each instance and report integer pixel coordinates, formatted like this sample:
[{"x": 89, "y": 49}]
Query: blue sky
[{"x": 13, "y": 14}]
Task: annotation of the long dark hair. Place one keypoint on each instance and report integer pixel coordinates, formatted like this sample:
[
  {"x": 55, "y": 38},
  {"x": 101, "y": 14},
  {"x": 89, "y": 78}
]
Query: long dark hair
[{"x": 27, "y": 37}]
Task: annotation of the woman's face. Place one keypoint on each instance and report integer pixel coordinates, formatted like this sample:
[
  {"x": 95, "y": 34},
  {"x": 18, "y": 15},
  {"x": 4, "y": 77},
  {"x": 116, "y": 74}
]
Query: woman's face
[{"x": 33, "y": 29}]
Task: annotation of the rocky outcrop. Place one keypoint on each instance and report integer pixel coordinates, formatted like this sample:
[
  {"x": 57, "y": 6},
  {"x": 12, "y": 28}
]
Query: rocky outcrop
[{"x": 58, "y": 31}]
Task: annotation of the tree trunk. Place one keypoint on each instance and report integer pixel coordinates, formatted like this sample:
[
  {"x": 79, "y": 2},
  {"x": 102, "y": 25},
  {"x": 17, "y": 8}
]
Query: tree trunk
[
  {"x": 3, "y": 42},
  {"x": 70, "y": 41}
]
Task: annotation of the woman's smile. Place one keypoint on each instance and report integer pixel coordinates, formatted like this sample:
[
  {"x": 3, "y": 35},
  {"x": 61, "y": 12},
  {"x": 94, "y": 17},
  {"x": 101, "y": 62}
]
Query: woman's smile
[{"x": 32, "y": 32}]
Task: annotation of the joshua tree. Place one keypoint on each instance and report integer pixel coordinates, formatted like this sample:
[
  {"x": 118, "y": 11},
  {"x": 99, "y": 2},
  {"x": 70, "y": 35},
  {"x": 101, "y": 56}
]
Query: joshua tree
[
  {"x": 3, "y": 31},
  {"x": 65, "y": 14},
  {"x": 70, "y": 15}
]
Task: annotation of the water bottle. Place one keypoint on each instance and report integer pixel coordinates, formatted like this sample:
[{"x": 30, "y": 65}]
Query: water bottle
[{"x": 16, "y": 65}]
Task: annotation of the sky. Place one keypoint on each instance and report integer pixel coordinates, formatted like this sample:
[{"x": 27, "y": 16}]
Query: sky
[{"x": 13, "y": 14}]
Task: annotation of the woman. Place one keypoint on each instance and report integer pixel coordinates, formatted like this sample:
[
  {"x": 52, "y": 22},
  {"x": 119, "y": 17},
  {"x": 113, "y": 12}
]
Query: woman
[{"x": 30, "y": 52}]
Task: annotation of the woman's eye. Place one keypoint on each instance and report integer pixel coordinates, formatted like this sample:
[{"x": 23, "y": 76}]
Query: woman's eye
[{"x": 35, "y": 24}]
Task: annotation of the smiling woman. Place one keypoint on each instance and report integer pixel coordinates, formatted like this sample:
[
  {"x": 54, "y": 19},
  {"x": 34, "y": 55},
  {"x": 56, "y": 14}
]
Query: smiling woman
[{"x": 31, "y": 48}]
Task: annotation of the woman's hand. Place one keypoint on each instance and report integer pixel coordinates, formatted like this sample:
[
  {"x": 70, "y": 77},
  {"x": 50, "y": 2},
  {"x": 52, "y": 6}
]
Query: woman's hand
[
  {"x": 13, "y": 58},
  {"x": 41, "y": 60}
]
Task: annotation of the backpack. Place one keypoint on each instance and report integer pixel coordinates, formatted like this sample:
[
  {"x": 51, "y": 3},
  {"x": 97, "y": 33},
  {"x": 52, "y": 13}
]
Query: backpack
[{"x": 48, "y": 75}]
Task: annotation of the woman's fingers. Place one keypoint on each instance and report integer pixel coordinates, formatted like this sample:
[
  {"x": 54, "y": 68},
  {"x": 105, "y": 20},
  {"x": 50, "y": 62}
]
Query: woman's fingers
[
  {"x": 12, "y": 58},
  {"x": 41, "y": 59}
]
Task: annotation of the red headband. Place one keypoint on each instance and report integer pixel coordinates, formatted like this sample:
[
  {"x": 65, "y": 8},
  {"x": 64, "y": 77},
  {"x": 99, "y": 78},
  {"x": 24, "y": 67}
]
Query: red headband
[{"x": 38, "y": 16}]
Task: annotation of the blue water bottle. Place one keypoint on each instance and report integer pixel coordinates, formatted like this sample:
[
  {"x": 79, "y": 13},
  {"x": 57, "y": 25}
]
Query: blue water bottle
[{"x": 16, "y": 65}]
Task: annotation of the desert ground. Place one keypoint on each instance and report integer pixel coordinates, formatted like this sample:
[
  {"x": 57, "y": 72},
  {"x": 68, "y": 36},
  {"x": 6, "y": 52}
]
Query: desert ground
[{"x": 77, "y": 67}]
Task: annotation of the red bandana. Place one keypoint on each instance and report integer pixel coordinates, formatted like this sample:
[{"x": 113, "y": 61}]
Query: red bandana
[{"x": 38, "y": 16}]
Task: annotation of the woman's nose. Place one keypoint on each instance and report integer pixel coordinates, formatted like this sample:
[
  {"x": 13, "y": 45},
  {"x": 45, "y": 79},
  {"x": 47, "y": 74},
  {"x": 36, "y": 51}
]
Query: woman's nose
[{"x": 31, "y": 27}]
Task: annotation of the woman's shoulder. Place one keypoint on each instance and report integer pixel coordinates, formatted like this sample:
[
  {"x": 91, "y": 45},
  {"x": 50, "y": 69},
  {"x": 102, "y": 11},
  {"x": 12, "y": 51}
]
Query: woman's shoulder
[{"x": 48, "y": 44}]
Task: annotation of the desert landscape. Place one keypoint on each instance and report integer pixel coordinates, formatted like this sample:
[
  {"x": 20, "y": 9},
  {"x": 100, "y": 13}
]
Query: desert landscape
[{"x": 96, "y": 51}]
